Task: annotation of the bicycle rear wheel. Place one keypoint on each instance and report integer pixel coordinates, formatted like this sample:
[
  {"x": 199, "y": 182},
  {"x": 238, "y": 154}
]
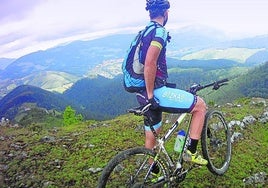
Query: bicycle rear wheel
[
  {"x": 216, "y": 143},
  {"x": 131, "y": 168}
]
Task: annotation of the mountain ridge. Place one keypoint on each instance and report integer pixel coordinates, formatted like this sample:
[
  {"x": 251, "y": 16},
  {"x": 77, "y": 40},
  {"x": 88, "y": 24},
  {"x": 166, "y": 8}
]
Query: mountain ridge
[
  {"x": 10, "y": 104},
  {"x": 103, "y": 98},
  {"x": 97, "y": 63},
  {"x": 81, "y": 58}
]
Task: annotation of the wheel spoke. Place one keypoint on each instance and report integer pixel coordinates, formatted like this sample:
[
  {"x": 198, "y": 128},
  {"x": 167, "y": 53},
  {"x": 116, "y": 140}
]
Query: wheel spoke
[
  {"x": 216, "y": 143},
  {"x": 131, "y": 168}
]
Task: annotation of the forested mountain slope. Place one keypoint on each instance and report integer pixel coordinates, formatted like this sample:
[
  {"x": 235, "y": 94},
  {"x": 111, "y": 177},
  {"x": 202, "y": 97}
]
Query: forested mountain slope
[
  {"x": 255, "y": 83},
  {"x": 103, "y": 98}
]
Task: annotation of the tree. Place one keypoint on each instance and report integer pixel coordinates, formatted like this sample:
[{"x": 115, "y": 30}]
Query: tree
[{"x": 70, "y": 117}]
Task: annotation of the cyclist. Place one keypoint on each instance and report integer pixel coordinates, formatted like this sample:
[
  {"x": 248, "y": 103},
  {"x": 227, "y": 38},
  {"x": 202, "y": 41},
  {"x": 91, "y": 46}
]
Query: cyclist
[{"x": 158, "y": 92}]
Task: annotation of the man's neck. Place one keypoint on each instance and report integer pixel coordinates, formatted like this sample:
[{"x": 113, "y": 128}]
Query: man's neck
[{"x": 159, "y": 20}]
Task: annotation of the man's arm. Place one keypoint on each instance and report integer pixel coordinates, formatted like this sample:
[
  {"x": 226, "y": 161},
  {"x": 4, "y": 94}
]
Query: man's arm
[{"x": 150, "y": 68}]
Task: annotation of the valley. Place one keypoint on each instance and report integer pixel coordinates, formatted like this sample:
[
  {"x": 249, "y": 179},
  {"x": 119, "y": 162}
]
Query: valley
[{"x": 87, "y": 74}]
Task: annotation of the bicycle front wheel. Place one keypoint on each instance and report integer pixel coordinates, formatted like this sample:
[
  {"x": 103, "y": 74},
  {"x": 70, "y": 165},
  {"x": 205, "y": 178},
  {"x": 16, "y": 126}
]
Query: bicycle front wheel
[
  {"x": 132, "y": 168},
  {"x": 216, "y": 143}
]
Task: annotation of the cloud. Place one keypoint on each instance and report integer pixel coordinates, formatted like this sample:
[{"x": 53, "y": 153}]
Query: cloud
[
  {"x": 32, "y": 25},
  {"x": 45, "y": 21},
  {"x": 240, "y": 16}
]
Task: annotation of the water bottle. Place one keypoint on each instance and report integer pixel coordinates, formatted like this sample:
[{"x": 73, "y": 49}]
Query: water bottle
[{"x": 179, "y": 141}]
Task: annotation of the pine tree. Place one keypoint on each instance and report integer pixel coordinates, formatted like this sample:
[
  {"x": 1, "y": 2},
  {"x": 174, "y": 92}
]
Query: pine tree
[{"x": 70, "y": 117}]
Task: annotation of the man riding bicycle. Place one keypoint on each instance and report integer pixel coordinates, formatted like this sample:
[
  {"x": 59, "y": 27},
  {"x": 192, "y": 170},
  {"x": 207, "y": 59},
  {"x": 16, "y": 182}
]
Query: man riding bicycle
[{"x": 158, "y": 92}]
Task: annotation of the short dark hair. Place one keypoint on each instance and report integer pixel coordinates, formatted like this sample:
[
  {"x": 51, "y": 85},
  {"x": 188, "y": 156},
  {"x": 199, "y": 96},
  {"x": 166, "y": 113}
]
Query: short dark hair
[{"x": 154, "y": 13}]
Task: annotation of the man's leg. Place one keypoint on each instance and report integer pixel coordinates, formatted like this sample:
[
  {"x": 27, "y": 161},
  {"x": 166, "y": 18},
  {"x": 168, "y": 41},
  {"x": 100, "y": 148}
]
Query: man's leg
[
  {"x": 198, "y": 118},
  {"x": 150, "y": 142},
  {"x": 178, "y": 101},
  {"x": 150, "y": 139}
]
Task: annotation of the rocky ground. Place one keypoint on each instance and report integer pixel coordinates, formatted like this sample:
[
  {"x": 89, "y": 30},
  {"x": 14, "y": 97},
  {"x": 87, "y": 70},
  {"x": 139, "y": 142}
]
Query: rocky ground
[{"x": 23, "y": 151}]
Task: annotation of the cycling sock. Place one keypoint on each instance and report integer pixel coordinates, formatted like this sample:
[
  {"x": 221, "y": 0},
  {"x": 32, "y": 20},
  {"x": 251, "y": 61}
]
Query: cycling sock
[{"x": 193, "y": 145}]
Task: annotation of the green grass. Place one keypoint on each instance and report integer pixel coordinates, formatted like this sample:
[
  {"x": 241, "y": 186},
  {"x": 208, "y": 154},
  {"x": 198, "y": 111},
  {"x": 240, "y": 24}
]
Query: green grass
[
  {"x": 235, "y": 54},
  {"x": 66, "y": 162}
]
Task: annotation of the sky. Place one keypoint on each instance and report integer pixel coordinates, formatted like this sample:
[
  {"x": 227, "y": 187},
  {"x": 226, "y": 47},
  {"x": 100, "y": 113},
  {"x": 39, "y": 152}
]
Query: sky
[{"x": 31, "y": 25}]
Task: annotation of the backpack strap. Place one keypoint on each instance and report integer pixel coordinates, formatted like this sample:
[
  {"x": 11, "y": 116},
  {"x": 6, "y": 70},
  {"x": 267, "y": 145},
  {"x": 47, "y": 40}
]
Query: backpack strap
[{"x": 147, "y": 28}]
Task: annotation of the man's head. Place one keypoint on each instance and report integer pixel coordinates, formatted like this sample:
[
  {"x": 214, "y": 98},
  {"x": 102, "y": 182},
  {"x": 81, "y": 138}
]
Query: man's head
[{"x": 158, "y": 8}]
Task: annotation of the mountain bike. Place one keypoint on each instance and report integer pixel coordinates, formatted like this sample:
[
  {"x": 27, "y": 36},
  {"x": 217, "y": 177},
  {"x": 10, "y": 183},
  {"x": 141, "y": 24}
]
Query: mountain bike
[{"x": 133, "y": 167}]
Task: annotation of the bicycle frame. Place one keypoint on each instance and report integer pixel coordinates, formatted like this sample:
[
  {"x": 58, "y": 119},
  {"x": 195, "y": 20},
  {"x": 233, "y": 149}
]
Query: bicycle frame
[{"x": 161, "y": 141}]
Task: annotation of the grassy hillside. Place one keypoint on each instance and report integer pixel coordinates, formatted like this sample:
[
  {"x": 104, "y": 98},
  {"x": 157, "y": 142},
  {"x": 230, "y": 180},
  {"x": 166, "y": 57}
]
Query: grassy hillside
[
  {"x": 243, "y": 82},
  {"x": 236, "y": 54},
  {"x": 51, "y": 80},
  {"x": 74, "y": 156},
  {"x": 15, "y": 101}
]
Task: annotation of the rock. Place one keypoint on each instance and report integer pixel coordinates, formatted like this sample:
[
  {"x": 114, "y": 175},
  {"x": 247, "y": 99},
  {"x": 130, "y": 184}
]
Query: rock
[
  {"x": 48, "y": 184},
  {"x": 236, "y": 136},
  {"x": 256, "y": 101},
  {"x": 139, "y": 128},
  {"x": 264, "y": 117},
  {"x": 94, "y": 170},
  {"x": 18, "y": 145},
  {"x": 258, "y": 178},
  {"x": 99, "y": 125},
  {"x": 3, "y": 167},
  {"x": 232, "y": 123},
  {"x": 88, "y": 146},
  {"x": 248, "y": 120},
  {"x": 48, "y": 139}
]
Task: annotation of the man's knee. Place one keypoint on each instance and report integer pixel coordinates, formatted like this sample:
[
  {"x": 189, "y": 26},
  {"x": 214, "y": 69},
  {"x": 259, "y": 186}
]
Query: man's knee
[
  {"x": 152, "y": 117},
  {"x": 200, "y": 105}
]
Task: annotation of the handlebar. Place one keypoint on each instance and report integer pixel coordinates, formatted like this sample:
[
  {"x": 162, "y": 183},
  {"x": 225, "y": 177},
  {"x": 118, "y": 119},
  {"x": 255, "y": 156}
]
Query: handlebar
[
  {"x": 193, "y": 89},
  {"x": 216, "y": 85}
]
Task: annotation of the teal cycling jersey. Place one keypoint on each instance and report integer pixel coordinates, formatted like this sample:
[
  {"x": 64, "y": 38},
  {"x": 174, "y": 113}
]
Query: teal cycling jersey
[{"x": 158, "y": 37}]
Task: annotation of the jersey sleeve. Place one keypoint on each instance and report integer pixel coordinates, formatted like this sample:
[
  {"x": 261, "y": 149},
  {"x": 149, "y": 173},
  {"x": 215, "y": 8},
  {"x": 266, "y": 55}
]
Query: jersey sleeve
[{"x": 160, "y": 38}]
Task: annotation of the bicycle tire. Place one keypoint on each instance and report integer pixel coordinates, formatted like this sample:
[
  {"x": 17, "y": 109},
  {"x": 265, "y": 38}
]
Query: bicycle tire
[
  {"x": 129, "y": 169},
  {"x": 216, "y": 142}
]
